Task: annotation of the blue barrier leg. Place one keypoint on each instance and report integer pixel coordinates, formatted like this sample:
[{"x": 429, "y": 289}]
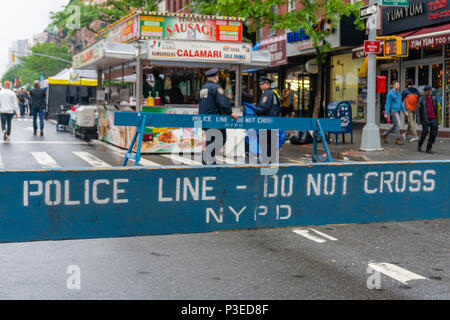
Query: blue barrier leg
[
  {"x": 314, "y": 157},
  {"x": 324, "y": 141},
  {"x": 141, "y": 137},
  {"x": 138, "y": 135}
]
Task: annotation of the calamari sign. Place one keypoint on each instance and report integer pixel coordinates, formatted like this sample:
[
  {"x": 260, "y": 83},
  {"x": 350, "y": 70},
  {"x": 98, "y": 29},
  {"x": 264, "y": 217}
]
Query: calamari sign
[{"x": 200, "y": 51}]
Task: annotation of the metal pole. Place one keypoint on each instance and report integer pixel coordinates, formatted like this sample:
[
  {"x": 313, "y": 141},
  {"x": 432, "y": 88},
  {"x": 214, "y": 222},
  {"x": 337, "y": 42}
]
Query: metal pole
[
  {"x": 370, "y": 140},
  {"x": 138, "y": 78},
  {"x": 238, "y": 87}
]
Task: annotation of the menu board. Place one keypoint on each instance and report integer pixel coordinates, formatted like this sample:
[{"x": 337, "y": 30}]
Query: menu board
[
  {"x": 188, "y": 28},
  {"x": 156, "y": 140}
]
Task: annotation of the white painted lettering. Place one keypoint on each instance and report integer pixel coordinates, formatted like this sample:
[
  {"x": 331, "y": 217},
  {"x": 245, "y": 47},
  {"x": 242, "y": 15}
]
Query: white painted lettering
[
  {"x": 366, "y": 182},
  {"x": 314, "y": 183},
  {"x": 95, "y": 197},
  {"x": 117, "y": 191},
  {"x": 237, "y": 214},
  {"x": 67, "y": 200}
]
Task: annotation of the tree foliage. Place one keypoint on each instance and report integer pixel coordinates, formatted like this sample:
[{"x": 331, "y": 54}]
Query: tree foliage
[
  {"x": 32, "y": 67},
  {"x": 310, "y": 18},
  {"x": 311, "y": 15},
  {"x": 109, "y": 12},
  {"x": 256, "y": 13}
]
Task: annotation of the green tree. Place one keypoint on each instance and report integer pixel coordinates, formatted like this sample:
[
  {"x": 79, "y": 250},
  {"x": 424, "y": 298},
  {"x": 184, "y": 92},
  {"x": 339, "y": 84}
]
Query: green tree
[
  {"x": 31, "y": 67},
  {"x": 68, "y": 20},
  {"x": 256, "y": 13},
  {"x": 309, "y": 18}
]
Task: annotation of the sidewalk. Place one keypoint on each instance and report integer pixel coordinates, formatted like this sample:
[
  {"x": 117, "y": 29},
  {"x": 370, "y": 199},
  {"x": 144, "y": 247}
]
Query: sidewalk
[{"x": 391, "y": 152}]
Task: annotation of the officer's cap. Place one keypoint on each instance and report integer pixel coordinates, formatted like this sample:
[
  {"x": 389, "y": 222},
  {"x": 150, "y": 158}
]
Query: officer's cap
[
  {"x": 264, "y": 79},
  {"x": 212, "y": 72}
]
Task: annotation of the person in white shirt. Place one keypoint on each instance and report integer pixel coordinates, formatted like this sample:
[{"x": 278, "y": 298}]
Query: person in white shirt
[{"x": 8, "y": 106}]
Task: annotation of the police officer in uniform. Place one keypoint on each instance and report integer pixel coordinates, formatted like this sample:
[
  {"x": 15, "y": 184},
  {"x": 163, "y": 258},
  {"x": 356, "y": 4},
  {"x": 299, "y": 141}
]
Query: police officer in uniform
[
  {"x": 269, "y": 106},
  {"x": 214, "y": 101}
]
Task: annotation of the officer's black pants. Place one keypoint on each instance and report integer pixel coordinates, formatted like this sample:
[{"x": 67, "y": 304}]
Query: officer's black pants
[
  {"x": 432, "y": 124},
  {"x": 209, "y": 156}
]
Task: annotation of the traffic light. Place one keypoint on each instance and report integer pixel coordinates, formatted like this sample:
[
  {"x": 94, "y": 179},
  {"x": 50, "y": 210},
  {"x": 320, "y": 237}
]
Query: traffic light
[
  {"x": 396, "y": 47},
  {"x": 13, "y": 57}
]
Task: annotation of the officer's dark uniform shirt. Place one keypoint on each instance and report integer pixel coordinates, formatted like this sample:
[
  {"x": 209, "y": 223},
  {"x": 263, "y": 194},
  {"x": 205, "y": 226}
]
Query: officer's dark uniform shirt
[
  {"x": 269, "y": 104},
  {"x": 213, "y": 100}
]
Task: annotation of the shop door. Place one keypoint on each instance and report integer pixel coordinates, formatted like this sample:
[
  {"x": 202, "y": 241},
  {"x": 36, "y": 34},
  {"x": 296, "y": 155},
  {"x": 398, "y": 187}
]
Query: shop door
[
  {"x": 446, "y": 111},
  {"x": 304, "y": 96},
  {"x": 431, "y": 74},
  {"x": 391, "y": 75}
]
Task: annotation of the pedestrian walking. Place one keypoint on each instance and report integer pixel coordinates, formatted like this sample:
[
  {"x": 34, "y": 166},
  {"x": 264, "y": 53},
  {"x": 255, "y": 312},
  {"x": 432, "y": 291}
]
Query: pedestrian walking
[
  {"x": 8, "y": 107},
  {"x": 410, "y": 97},
  {"x": 27, "y": 103},
  {"x": 427, "y": 115},
  {"x": 37, "y": 95},
  {"x": 22, "y": 101},
  {"x": 394, "y": 106},
  {"x": 269, "y": 106},
  {"x": 213, "y": 101},
  {"x": 287, "y": 105}
]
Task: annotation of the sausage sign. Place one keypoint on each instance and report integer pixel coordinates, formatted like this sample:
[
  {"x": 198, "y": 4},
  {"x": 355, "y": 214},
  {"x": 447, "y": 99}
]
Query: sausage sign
[{"x": 123, "y": 202}]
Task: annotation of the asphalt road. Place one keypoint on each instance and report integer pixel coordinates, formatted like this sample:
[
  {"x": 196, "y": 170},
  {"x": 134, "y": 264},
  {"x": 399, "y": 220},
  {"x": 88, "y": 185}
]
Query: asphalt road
[{"x": 327, "y": 262}]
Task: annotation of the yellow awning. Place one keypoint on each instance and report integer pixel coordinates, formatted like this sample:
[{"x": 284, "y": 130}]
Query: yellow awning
[
  {"x": 90, "y": 83},
  {"x": 362, "y": 73}
]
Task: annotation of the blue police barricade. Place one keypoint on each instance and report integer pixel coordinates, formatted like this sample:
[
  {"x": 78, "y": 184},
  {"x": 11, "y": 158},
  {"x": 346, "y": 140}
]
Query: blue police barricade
[
  {"x": 341, "y": 110},
  {"x": 142, "y": 120},
  {"x": 252, "y": 136},
  {"x": 122, "y": 202}
]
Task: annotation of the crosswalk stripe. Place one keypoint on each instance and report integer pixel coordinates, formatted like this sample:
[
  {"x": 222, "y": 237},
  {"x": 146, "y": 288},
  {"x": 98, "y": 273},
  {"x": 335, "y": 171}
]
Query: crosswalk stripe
[
  {"x": 121, "y": 153},
  {"x": 177, "y": 159},
  {"x": 1, "y": 162},
  {"x": 44, "y": 160},
  {"x": 148, "y": 163},
  {"x": 92, "y": 160}
]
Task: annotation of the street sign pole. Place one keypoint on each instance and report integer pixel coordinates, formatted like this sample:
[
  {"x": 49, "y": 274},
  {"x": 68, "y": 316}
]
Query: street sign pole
[{"x": 370, "y": 140}]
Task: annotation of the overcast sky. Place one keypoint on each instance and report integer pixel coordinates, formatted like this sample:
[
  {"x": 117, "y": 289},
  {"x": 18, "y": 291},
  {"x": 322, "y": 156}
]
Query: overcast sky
[{"x": 20, "y": 19}]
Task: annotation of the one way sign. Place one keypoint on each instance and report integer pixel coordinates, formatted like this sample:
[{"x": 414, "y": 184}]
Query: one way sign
[{"x": 367, "y": 11}]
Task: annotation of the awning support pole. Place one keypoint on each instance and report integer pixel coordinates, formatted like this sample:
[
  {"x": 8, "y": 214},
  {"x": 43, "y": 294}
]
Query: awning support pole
[
  {"x": 238, "y": 86},
  {"x": 138, "y": 78}
]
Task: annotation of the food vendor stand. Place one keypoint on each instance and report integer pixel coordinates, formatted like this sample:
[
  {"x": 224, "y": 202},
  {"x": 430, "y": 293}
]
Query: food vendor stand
[{"x": 175, "y": 44}]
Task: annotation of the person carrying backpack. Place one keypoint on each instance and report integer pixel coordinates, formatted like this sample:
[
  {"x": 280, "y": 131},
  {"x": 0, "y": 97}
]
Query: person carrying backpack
[{"x": 410, "y": 98}]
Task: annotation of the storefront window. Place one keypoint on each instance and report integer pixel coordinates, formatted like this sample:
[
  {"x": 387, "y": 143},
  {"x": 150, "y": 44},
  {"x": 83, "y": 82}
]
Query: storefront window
[
  {"x": 447, "y": 51},
  {"x": 410, "y": 74},
  {"x": 446, "y": 120},
  {"x": 345, "y": 84},
  {"x": 433, "y": 51},
  {"x": 292, "y": 80},
  {"x": 414, "y": 54},
  {"x": 423, "y": 75},
  {"x": 274, "y": 77}
]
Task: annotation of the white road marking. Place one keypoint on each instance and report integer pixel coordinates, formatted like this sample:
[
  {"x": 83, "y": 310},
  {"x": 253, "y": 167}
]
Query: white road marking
[
  {"x": 305, "y": 233},
  {"x": 324, "y": 235},
  {"x": 241, "y": 187},
  {"x": 395, "y": 272},
  {"x": 177, "y": 159},
  {"x": 1, "y": 162},
  {"x": 148, "y": 163},
  {"x": 121, "y": 153},
  {"x": 44, "y": 160},
  {"x": 92, "y": 160}
]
